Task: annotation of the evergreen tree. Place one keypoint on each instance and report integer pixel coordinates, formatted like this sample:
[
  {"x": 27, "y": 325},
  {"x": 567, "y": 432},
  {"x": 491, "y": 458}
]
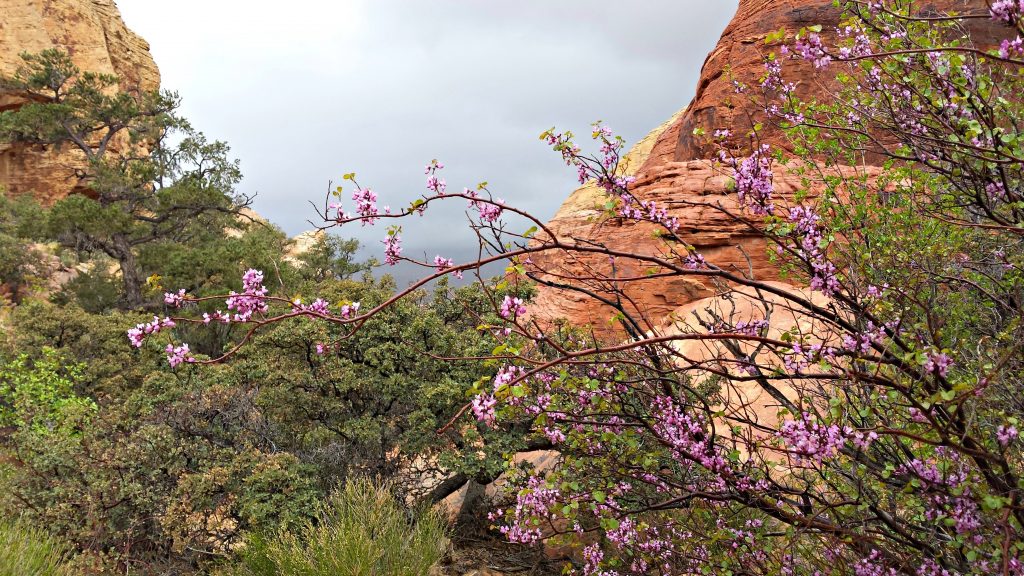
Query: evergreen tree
[{"x": 149, "y": 176}]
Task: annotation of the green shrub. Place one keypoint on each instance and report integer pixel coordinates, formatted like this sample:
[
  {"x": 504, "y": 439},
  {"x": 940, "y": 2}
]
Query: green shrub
[
  {"x": 361, "y": 530},
  {"x": 27, "y": 551}
]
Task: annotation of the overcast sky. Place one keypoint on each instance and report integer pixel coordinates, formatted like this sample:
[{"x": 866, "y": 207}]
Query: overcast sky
[{"x": 307, "y": 90}]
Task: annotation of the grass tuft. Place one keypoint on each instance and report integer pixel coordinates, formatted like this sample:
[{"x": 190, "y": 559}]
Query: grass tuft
[
  {"x": 28, "y": 551},
  {"x": 362, "y": 530}
]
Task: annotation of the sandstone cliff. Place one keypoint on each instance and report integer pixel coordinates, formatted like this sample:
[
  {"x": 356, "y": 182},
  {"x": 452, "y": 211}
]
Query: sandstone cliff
[
  {"x": 673, "y": 167},
  {"x": 92, "y": 32}
]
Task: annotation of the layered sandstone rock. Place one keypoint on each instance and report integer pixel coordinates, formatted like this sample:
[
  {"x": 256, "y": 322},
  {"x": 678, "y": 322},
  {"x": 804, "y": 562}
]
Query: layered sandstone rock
[
  {"x": 96, "y": 38},
  {"x": 674, "y": 167}
]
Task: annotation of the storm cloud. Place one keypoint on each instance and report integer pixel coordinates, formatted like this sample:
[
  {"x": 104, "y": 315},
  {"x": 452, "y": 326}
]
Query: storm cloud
[{"x": 305, "y": 91}]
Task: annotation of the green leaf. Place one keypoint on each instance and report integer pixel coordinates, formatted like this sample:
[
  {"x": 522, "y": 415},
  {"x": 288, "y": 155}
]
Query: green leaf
[{"x": 991, "y": 503}]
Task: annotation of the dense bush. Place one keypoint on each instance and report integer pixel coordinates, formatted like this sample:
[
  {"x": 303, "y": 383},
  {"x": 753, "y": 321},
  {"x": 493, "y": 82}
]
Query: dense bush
[{"x": 139, "y": 465}]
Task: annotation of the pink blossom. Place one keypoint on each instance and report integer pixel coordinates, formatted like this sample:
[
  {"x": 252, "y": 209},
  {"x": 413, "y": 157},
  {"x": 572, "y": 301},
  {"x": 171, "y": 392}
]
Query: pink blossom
[
  {"x": 252, "y": 299},
  {"x": 813, "y": 50},
  {"x": 138, "y": 334},
  {"x": 366, "y": 205},
  {"x": 222, "y": 317},
  {"x": 811, "y": 247},
  {"x": 937, "y": 362},
  {"x": 754, "y": 185},
  {"x": 436, "y": 185},
  {"x": 483, "y": 408},
  {"x": 1006, "y": 434},
  {"x": 534, "y": 501},
  {"x": 1008, "y": 48},
  {"x": 694, "y": 262},
  {"x": 1006, "y": 10},
  {"x": 812, "y": 440},
  {"x": 392, "y": 248},
  {"x": 512, "y": 308},
  {"x": 178, "y": 354},
  {"x": 349, "y": 310},
  {"x": 555, "y": 435},
  {"x": 319, "y": 306},
  {"x": 489, "y": 211},
  {"x": 443, "y": 264},
  {"x": 175, "y": 300}
]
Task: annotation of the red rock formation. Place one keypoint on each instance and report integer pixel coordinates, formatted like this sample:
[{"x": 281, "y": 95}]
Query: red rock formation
[
  {"x": 673, "y": 166},
  {"x": 96, "y": 38}
]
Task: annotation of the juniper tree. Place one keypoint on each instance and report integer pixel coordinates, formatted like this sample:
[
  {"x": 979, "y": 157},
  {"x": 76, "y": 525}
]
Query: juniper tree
[{"x": 149, "y": 177}]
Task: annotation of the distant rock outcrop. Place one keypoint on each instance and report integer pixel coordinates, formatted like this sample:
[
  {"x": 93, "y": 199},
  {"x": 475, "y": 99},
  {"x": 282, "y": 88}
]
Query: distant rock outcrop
[
  {"x": 673, "y": 166},
  {"x": 93, "y": 34}
]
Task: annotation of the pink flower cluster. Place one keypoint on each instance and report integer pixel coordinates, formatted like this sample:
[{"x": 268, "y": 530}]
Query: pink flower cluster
[
  {"x": 1008, "y": 11},
  {"x": 489, "y": 211},
  {"x": 605, "y": 171},
  {"x": 506, "y": 375},
  {"x": 319, "y": 306},
  {"x": 944, "y": 480},
  {"x": 772, "y": 79},
  {"x": 392, "y": 248},
  {"x": 686, "y": 435},
  {"x": 754, "y": 184},
  {"x": 178, "y": 354},
  {"x": 435, "y": 184},
  {"x": 937, "y": 362},
  {"x": 861, "y": 43},
  {"x": 222, "y": 317},
  {"x": 646, "y": 210},
  {"x": 175, "y": 300},
  {"x": 138, "y": 334},
  {"x": 349, "y": 310},
  {"x": 861, "y": 342},
  {"x": 813, "y": 50},
  {"x": 803, "y": 355},
  {"x": 809, "y": 439},
  {"x": 533, "y": 502},
  {"x": 512, "y": 308},
  {"x": 751, "y": 328},
  {"x": 873, "y": 566},
  {"x": 366, "y": 205},
  {"x": 1006, "y": 434},
  {"x": 1010, "y": 48},
  {"x": 592, "y": 558},
  {"x": 694, "y": 262},
  {"x": 252, "y": 299},
  {"x": 811, "y": 248},
  {"x": 483, "y": 406},
  {"x": 442, "y": 264}
]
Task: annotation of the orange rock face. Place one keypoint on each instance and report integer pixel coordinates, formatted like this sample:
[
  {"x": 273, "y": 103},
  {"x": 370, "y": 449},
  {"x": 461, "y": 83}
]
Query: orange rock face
[
  {"x": 92, "y": 32},
  {"x": 674, "y": 167}
]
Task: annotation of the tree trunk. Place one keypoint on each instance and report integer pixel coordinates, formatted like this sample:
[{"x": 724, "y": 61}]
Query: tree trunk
[{"x": 131, "y": 276}]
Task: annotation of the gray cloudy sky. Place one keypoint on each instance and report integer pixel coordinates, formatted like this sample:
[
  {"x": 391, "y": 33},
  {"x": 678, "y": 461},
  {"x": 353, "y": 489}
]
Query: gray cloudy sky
[{"x": 307, "y": 90}]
